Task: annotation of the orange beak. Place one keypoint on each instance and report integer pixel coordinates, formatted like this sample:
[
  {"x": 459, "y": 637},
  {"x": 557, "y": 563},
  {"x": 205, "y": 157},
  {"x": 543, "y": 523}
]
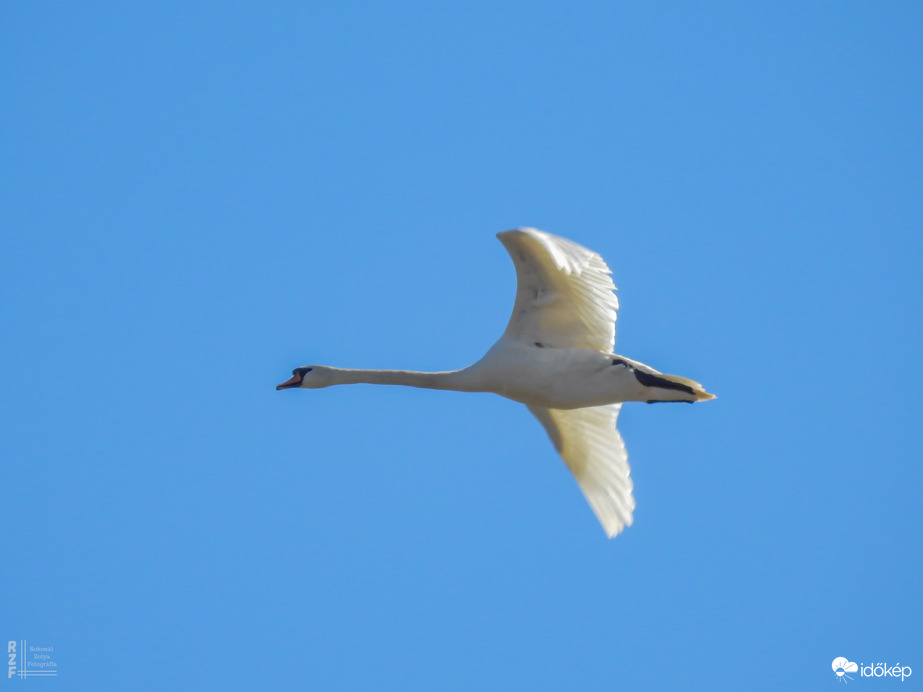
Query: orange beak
[{"x": 289, "y": 384}]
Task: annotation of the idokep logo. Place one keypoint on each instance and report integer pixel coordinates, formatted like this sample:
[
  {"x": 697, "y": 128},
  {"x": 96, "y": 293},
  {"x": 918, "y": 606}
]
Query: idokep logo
[{"x": 842, "y": 667}]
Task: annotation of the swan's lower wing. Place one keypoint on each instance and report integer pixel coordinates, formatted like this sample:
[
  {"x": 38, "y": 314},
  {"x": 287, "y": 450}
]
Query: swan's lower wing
[{"x": 592, "y": 448}]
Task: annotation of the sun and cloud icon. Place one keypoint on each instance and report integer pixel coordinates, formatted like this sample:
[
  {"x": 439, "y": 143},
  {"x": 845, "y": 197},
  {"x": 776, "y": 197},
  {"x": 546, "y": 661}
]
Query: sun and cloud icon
[{"x": 842, "y": 666}]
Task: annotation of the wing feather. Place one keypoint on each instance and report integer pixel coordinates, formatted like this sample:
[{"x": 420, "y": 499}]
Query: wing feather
[
  {"x": 592, "y": 448},
  {"x": 564, "y": 292}
]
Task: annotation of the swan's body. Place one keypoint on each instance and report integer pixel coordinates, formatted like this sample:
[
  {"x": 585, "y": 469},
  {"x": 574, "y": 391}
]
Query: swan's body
[{"x": 556, "y": 357}]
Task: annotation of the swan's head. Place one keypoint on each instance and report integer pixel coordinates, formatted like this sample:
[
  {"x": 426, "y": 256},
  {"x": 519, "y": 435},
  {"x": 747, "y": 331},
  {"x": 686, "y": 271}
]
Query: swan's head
[{"x": 309, "y": 377}]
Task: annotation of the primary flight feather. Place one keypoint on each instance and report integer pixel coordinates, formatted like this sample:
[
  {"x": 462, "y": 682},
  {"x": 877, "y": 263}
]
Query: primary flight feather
[{"x": 556, "y": 357}]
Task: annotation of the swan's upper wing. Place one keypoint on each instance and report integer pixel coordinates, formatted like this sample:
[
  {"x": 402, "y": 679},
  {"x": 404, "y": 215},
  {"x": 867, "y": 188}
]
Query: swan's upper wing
[
  {"x": 564, "y": 292},
  {"x": 592, "y": 448}
]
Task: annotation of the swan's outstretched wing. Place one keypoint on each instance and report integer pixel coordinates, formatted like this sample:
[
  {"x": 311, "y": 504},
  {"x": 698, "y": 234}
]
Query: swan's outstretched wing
[
  {"x": 564, "y": 292},
  {"x": 592, "y": 448}
]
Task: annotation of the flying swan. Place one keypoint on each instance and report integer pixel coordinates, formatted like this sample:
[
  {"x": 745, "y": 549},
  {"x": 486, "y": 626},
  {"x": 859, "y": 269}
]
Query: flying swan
[{"x": 556, "y": 358}]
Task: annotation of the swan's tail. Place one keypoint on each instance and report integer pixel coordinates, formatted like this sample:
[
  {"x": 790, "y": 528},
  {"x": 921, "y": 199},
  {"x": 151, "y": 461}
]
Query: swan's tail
[
  {"x": 660, "y": 387},
  {"x": 698, "y": 391}
]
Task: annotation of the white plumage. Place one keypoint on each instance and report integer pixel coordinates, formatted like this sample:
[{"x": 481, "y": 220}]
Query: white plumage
[
  {"x": 591, "y": 446},
  {"x": 564, "y": 292},
  {"x": 556, "y": 357}
]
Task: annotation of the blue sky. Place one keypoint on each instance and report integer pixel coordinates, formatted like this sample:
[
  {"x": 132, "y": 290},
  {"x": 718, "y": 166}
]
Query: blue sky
[{"x": 198, "y": 197}]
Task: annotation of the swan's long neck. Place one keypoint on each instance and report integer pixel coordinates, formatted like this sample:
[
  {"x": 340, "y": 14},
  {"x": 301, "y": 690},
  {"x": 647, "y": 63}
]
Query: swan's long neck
[{"x": 457, "y": 380}]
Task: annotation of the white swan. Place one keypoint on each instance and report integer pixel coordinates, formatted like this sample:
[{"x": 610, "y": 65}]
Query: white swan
[{"x": 556, "y": 358}]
